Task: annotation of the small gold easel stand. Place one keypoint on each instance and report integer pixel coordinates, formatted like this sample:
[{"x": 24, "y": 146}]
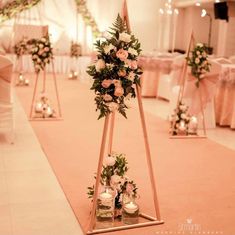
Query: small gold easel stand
[
  {"x": 181, "y": 95},
  {"x": 109, "y": 126}
]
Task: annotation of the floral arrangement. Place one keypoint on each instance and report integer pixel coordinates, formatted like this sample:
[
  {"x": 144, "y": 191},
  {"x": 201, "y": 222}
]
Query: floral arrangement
[
  {"x": 41, "y": 53},
  {"x": 21, "y": 47},
  {"x": 87, "y": 17},
  {"x": 179, "y": 121},
  {"x": 10, "y": 9},
  {"x": 116, "y": 70},
  {"x": 198, "y": 61},
  {"x": 43, "y": 108},
  {"x": 75, "y": 49},
  {"x": 114, "y": 174}
]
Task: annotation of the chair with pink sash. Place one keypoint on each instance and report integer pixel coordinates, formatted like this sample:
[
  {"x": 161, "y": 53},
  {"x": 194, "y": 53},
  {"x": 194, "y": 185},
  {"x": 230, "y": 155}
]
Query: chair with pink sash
[
  {"x": 6, "y": 97},
  {"x": 201, "y": 99},
  {"x": 174, "y": 79}
]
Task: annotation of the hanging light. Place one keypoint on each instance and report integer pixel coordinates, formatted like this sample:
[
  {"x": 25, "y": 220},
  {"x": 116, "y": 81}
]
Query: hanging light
[{"x": 203, "y": 13}]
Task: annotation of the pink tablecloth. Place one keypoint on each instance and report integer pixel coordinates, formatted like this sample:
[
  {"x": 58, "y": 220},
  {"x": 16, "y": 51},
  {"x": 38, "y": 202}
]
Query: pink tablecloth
[
  {"x": 152, "y": 67},
  {"x": 225, "y": 97}
]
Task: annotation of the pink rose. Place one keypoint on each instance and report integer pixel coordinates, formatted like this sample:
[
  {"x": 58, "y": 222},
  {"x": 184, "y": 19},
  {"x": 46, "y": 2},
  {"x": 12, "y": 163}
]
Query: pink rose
[
  {"x": 122, "y": 54},
  {"x": 118, "y": 91},
  {"x": 106, "y": 83},
  {"x": 122, "y": 73},
  {"x": 132, "y": 64},
  {"x": 117, "y": 83},
  {"x": 109, "y": 161},
  {"x": 129, "y": 188},
  {"x": 107, "y": 97}
]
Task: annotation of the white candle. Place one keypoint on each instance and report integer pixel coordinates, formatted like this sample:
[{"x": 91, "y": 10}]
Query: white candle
[
  {"x": 70, "y": 75},
  {"x": 182, "y": 126},
  {"x": 193, "y": 125},
  {"x": 75, "y": 73},
  {"x": 38, "y": 107},
  {"x": 49, "y": 111},
  {"x": 106, "y": 198},
  {"x": 26, "y": 81},
  {"x": 21, "y": 77},
  {"x": 130, "y": 208}
]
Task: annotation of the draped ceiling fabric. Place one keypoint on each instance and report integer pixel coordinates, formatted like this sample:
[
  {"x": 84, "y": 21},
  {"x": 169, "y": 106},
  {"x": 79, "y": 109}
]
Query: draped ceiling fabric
[{"x": 62, "y": 19}]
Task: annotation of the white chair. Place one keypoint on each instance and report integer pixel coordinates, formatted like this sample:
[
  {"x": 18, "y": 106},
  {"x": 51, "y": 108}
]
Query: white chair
[
  {"x": 6, "y": 97},
  {"x": 232, "y": 59},
  {"x": 168, "y": 81}
]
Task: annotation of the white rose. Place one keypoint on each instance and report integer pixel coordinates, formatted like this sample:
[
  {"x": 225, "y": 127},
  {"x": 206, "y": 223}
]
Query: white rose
[
  {"x": 182, "y": 107},
  {"x": 115, "y": 179},
  {"x": 132, "y": 51},
  {"x": 183, "y": 116},
  {"x": 131, "y": 76},
  {"x": 109, "y": 161},
  {"x": 198, "y": 52},
  {"x": 197, "y": 61},
  {"x": 100, "y": 64},
  {"x": 41, "y": 45},
  {"x": 108, "y": 48},
  {"x": 125, "y": 37},
  {"x": 113, "y": 106},
  {"x": 199, "y": 45}
]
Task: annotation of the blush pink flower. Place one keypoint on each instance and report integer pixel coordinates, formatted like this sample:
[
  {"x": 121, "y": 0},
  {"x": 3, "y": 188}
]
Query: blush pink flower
[
  {"x": 118, "y": 91},
  {"x": 132, "y": 64},
  {"x": 122, "y": 54},
  {"x": 122, "y": 73},
  {"x": 129, "y": 188},
  {"x": 107, "y": 97},
  {"x": 106, "y": 83}
]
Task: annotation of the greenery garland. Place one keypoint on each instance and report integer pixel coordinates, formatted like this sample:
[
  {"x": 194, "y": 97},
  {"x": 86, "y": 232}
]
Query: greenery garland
[
  {"x": 87, "y": 17},
  {"x": 9, "y": 10}
]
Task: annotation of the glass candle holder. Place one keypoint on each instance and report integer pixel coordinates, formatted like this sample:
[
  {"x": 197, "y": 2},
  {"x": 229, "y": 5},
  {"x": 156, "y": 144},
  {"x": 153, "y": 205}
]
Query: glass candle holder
[
  {"x": 105, "y": 205},
  {"x": 182, "y": 128},
  {"x": 130, "y": 212},
  {"x": 193, "y": 125}
]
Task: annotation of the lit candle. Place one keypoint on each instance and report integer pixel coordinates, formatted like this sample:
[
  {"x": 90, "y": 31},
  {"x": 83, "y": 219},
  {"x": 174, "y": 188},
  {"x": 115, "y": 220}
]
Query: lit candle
[
  {"x": 106, "y": 198},
  {"x": 131, "y": 207},
  {"x": 21, "y": 77},
  {"x": 182, "y": 126},
  {"x": 38, "y": 107},
  {"x": 70, "y": 75},
  {"x": 193, "y": 125},
  {"x": 75, "y": 73},
  {"x": 49, "y": 111},
  {"x": 26, "y": 82}
]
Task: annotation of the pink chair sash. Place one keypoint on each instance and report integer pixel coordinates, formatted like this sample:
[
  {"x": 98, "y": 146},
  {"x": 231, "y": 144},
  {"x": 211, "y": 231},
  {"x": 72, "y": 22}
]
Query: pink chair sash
[{"x": 200, "y": 95}]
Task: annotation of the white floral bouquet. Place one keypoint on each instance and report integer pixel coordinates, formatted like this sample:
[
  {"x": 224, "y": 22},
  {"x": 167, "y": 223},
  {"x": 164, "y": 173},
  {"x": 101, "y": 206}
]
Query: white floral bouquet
[
  {"x": 114, "y": 174},
  {"x": 116, "y": 70},
  {"x": 42, "y": 53},
  {"x": 75, "y": 49},
  {"x": 21, "y": 48},
  {"x": 179, "y": 121},
  {"x": 198, "y": 61}
]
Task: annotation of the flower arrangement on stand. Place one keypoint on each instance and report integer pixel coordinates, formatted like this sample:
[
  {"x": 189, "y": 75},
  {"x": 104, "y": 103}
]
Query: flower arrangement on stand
[
  {"x": 114, "y": 174},
  {"x": 198, "y": 61},
  {"x": 42, "y": 53},
  {"x": 20, "y": 49},
  {"x": 116, "y": 70},
  {"x": 179, "y": 121},
  {"x": 75, "y": 52}
]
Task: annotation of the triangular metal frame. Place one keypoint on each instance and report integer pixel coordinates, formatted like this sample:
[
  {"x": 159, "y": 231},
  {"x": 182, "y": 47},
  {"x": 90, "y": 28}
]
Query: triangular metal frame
[
  {"x": 59, "y": 117},
  {"x": 109, "y": 127},
  {"x": 182, "y": 83}
]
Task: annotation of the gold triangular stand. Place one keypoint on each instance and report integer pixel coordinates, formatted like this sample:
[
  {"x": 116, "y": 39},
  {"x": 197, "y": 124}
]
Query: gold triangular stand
[
  {"x": 57, "y": 116},
  {"x": 181, "y": 95},
  {"x": 145, "y": 220}
]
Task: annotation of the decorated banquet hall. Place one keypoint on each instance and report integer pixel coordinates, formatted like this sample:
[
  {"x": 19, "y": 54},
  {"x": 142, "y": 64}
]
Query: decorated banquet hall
[{"x": 117, "y": 117}]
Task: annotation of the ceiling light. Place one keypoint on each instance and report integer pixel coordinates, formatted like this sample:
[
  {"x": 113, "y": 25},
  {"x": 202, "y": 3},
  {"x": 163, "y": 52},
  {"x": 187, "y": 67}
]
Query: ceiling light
[
  {"x": 203, "y": 13},
  {"x": 198, "y": 4}
]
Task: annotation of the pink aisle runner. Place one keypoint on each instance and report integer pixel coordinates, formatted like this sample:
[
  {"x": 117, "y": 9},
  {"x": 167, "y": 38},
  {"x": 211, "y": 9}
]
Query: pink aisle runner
[{"x": 195, "y": 178}]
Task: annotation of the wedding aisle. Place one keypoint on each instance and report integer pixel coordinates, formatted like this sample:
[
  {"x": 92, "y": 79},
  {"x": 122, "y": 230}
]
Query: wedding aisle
[{"x": 195, "y": 178}]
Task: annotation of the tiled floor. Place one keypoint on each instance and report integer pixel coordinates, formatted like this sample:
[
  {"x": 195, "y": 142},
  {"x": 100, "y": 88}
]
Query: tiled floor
[
  {"x": 25, "y": 176},
  {"x": 31, "y": 200}
]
